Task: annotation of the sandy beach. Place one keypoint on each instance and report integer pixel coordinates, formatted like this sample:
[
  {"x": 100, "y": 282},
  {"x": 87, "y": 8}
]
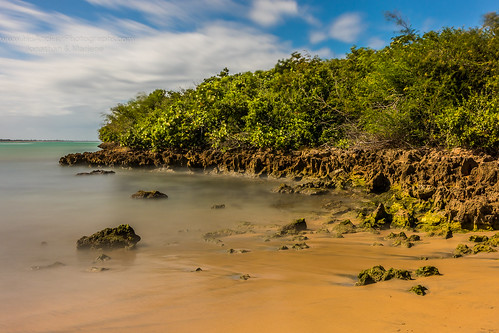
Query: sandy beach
[{"x": 308, "y": 290}]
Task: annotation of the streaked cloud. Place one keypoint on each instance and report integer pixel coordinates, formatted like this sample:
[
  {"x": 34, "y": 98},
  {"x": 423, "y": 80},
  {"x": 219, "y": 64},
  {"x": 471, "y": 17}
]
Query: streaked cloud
[
  {"x": 347, "y": 28},
  {"x": 376, "y": 43},
  {"x": 271, "y": 12}
]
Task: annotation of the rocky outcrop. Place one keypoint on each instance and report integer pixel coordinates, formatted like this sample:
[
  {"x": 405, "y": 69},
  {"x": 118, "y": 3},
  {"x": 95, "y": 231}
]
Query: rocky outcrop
[
  {"x": 122, "y": 236},
  {"x": 141, "y": 194},
  {"x": 96, "y": 172},
  {"x": 461, "y": 186}
]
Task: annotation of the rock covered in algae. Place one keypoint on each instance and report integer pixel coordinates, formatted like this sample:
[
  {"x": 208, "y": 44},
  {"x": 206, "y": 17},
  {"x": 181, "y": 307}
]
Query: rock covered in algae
[
  {"x": 379, "y": 273},
  {"x": 293, "y": 228},
  {"x": 478, "y": 238},
  {"x": 461, "y": 250},
  {"x": 344, "y": 227},
  {"x": 419, "y": 290},
  {"x": 427, "y": 271},
  {"x": 122, "y": 236},
  {"x": 149, "y": 195}
]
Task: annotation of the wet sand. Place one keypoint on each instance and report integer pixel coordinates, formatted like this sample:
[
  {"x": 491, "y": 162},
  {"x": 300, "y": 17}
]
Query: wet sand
[{"x": 310, "y": 290}]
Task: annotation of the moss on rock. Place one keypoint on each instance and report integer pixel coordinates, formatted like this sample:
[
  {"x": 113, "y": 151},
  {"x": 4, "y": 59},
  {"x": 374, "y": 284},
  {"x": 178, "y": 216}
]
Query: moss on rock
[
  {"x": 427, "y": 271},
  {"x": 122, "y": 236},
  {"x": 418, "y": 290},
  {"x": 379, "y": 273}
]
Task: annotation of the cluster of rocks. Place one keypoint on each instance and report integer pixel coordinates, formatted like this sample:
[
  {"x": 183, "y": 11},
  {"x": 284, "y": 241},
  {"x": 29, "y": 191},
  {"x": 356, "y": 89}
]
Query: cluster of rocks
[
  {"x": 449, "y": 186},
  {"x": 379, "y": 273}
]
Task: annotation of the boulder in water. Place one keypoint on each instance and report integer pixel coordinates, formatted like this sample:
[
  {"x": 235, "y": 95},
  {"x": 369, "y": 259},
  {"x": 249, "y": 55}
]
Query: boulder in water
[{"x": 122, "y": 236}]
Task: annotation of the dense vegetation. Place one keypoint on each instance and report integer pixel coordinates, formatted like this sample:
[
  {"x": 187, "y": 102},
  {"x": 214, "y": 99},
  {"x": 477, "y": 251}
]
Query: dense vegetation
[{"x": 436, "y": 89}]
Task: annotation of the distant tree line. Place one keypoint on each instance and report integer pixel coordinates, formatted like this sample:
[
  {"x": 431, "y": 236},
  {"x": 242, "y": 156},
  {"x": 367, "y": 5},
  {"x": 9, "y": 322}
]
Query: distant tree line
[{"x": 436, "y": 89}]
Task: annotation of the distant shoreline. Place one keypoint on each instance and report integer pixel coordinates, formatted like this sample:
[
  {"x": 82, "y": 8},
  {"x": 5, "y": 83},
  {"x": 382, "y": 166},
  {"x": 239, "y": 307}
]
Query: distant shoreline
[{"x": 32, "y": 140}]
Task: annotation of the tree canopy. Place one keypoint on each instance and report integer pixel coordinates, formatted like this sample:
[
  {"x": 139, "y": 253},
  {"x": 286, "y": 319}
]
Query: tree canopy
[{"x": 440, "y": 88}]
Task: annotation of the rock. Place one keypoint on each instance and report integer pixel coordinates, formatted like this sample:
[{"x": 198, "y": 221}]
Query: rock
[
  {"x": 199, "y": 269},
  {"x": 468, "y": 165},
  {"x": 283, "y": 248},
  {"x": 284, "y": 188},
  {"x": 419, "y": 290},
  {"x": 245, "y": 277},
  {"x": 97, "y": 269},
  {"x": 54, "y": 265},
  {"x": 96, "y": 172},
  {"x": 122, "y": 236},
  {"x": 222, "y": 206},
  {"x": 379, "y": 273},
  {"x": 103, "y": 257},
  {"x": 414, "y": 238},
  {"x": 300, "y": 246},
  {"x": 149, "y": 195},
  {"x": 378, "y": 184},
  {"x": 401, "y": 236},
  {"x": 427, "y": 271},
  {"x": 293, "y": 228},
  {"x": 478, "y": 248},
  {"x": 379, "y": 219},
  {"x": 478, "y": 239},
  {"x": 344, "y": 227},
  {"x": 461, "y": 250}
]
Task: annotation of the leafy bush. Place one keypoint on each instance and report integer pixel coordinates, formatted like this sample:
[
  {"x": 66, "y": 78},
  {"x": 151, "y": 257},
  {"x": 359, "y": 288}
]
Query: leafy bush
[{"x": 438, "y": 89}]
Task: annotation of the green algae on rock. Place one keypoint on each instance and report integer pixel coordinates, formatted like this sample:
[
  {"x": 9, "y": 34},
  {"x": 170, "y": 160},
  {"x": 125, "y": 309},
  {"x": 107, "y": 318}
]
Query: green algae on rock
[
  {"x": 293, "y": 228},
  {"x": 122, "y": 236},
  {"x": 461, "y": 250},
  {"x": 418, "y": 290},
  {"x": 427, "y": 271},
  {"x": 379, "y": 273},
  {"x": 344, "y": 227}
]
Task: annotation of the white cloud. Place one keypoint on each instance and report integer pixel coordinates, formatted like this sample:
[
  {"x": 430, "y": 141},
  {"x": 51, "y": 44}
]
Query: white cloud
[
  {"x": 317, "y": 37},
  {"x": 347, "y": 27},
  {"x": 67, "y": 78},
  {"x": 376, "y": 43},
  {"x": 270, "y": 12},
  {"x": 171, "y": 12}
]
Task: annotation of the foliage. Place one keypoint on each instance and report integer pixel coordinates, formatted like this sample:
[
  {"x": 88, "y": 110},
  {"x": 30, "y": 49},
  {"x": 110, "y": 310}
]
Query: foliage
[{"x": 440, "y": 89}]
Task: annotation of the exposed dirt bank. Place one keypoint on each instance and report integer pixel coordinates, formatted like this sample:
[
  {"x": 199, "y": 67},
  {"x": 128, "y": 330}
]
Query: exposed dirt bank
[{"x": 453, "y": 189}]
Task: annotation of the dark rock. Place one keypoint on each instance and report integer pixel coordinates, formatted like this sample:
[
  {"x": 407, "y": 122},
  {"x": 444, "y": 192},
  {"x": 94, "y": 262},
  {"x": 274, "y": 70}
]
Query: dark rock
[
  {"x": 300, "y": 246},
  {"x": 96, "y": 172},
  {"x": 294, "y": 227},
  {"x": 283, "y": 248},
  {"x": 461, "y": 250},
  {"x": 222, "y": 206},
  {"x": 199, "y": 269},
  {"x": 378, "y": 184},
  {"x": 479, "y": 248},
  {"x": 427, "y": 271},
  {"x": 379, "y": 273},
  {"x": 419, "y": 290},
  {"x": 478, "y": 239},
  {"x": 344, "y": 227},
  {"x": 414, "y": 238},
  {"x": 379, "y": 219},
  {"x": 122, "y": 236},
  {"x": 245, "y": 277},
  {"x": 149, "y": 195},
  {"x": 468, "y": 165}
]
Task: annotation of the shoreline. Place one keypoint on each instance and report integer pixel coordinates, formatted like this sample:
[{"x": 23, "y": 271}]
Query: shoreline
[{"x": 425, "y": 189}]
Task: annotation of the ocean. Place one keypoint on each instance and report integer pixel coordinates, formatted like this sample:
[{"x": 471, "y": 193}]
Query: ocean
[{"x": 45, "y": 208}]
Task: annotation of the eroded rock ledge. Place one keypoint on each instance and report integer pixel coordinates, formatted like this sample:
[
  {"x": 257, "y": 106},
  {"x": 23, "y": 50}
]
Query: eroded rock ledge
[{"x": 459, "y": 185}]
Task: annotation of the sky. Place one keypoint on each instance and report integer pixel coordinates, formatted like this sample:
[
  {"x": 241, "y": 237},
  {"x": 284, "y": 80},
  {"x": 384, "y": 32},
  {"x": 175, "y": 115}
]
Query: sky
[{"x": 64, "y": 64}]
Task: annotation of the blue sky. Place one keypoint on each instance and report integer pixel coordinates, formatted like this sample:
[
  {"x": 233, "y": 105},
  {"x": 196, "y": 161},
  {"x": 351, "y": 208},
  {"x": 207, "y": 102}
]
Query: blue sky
[{"x": 65, "y": 63}]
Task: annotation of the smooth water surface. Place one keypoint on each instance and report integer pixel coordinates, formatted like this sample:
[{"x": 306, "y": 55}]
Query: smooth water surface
[{"x": 45, "y": 208}]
